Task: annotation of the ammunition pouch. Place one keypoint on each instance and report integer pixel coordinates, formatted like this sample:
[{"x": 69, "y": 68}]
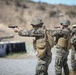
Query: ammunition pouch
[
  {"x": 41, "y": 43},
  {"x": 41, "y": 47},
  {"x": 41, "y": 52},
  {"x": 62, "y": 42}
]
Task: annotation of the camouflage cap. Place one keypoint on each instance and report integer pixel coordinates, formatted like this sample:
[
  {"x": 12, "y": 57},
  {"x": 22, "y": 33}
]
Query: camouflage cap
[
  {"x": 36, "y": 21},
  {"x": 65, "y": 22}
]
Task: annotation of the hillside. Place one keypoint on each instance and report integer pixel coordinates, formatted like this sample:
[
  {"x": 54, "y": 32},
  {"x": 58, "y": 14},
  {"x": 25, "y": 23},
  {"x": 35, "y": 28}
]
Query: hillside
[{"x": 21, "y": 14}]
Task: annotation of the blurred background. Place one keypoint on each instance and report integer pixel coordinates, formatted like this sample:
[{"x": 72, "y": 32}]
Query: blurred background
[
  {"x": 17, "y": 14},
  {"x": 21, "y": 12}
]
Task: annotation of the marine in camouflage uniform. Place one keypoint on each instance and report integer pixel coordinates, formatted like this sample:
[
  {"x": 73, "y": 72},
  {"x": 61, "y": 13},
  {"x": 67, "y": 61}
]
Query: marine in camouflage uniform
[
  {"x": 44, "y": 53},
  {"x": 73, "y": 52},
  {"x": 61, "y": 48}
]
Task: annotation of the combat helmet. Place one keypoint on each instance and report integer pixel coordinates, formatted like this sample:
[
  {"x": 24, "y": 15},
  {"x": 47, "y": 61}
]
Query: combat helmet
[
  {"x": 36, "y": 22},
  {"x": 65, "y": 22}
]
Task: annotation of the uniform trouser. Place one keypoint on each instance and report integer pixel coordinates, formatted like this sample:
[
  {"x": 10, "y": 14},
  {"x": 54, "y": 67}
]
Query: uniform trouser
[
  {"x": 42, "y": 66},
  {"x": 61, "y": 62},
  {"x": 74, "y": 68},
  {"x": 73, "y": 61}
]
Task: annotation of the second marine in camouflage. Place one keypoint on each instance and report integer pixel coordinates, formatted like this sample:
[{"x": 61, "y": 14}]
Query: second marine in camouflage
[
  {"x": 62, "y": 48},
  {"x": 73, "y": 51}
]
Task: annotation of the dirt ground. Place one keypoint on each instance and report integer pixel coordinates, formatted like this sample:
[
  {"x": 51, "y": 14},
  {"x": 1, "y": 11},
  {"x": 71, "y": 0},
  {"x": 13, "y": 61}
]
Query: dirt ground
[{"x": 25, "y": 64}]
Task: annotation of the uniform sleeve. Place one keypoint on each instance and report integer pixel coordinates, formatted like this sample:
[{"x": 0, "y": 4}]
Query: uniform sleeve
[
  {"x": 71, "y": 40},
  {"x": 73, "y": 61},
  {"x": 72, "y": 56},
  {"x": 31, "y": 33},
  {"x": 55, "y": 33},
  {"x": 37, "y": 32},
  {"x": 24, "y": 33}
]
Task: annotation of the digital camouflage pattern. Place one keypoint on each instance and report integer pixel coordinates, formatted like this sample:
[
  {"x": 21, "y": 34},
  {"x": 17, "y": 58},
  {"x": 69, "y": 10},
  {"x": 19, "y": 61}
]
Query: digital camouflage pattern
[
  {"x": 73, "y": 39},
  {"x": 43, "y": 64},
  {"x": 61, "y": 61},
  {"x": 62, "y": 36},
  {"x": 73, "y": 60},
  {"x": 73, "y": 52},
  {"x": 41, "y": 45},
  {"x": 32, "y": 33},
  {"x": 61, "y": 57},
  {"x": 44, "y": 61},
  {"x": 36, "y": 22},
  {"x": 64, "y": 33}
]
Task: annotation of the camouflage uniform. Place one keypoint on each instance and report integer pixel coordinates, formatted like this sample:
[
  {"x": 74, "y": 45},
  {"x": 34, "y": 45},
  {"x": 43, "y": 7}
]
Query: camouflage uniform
[
  {"x": 73, "y": 52},
  {"x": 61, "y": 61},
  {"x": 61, "y": 49},
  {"x": 38, "y": 33},
  {"x": 73, "y": 61}
]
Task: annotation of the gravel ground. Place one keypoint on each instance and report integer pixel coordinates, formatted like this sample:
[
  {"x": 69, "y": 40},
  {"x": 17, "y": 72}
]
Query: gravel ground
[{"x": 24, "y": 66}]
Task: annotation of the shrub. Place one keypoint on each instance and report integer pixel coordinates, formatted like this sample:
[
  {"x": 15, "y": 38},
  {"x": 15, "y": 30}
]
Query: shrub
[
  {"x": 71, "y": 13},
  {"x": 41, "y": 7},
  {"x": 23, "y": 0},
  {"x": 52, "y": 13}
]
